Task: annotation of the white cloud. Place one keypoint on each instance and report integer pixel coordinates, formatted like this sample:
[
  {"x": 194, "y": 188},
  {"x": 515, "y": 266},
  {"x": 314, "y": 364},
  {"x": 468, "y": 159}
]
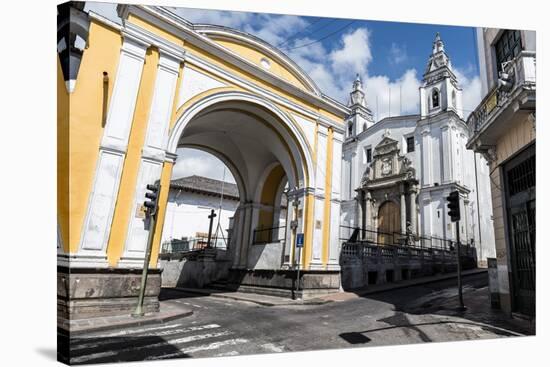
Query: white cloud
[
  {"x": 402, "y": 93},
  {"x": 276, "y": 29},
  {"x": 471, "y": 89},
  {"x": 334, "y": 69},
  {"x": 231, "y": 19},
  {"x": 398, "y": 54},
  {"x": 354, "y": 55}
]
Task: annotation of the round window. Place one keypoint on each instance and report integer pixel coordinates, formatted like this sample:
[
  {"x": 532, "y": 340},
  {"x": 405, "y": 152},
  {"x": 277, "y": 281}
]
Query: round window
[{"x": 265, "y": 63}]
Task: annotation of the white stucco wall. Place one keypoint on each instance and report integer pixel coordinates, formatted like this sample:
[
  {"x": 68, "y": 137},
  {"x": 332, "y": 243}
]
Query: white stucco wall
[{"x": 187, "y": 213}]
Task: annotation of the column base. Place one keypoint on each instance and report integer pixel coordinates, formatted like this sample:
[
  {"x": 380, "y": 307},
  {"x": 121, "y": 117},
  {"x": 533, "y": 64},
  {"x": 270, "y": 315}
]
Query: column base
[
  {"x": 84, "y": 293},
  {"x": 79, "y": 260},
  {"x": 282, "y": 283},
  {"x": 131, "y": 262}
]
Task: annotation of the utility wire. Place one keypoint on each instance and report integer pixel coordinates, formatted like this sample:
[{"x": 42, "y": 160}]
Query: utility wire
[
  {"x": 323, "y": 38},
  {"x": 293, "y": 36}
]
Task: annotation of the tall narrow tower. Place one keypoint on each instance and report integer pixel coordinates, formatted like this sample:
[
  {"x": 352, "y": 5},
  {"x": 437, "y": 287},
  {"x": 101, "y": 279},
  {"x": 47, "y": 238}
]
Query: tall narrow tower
[
  {"x": 360, "y": 117},
  {"x": 440, "y": 91}
]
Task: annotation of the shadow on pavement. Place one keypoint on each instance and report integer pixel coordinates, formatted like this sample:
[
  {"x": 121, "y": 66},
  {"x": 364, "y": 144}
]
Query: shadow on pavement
[
  {"x": 91, "y": 350},
  {"x": 441, "y": 299}
]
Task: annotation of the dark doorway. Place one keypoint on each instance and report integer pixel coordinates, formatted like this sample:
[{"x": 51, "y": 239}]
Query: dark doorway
[{"x": 520, "y": 179}]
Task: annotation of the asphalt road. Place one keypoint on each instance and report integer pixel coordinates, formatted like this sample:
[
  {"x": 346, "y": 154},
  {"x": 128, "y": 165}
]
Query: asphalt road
[{"x": 222, "y": 327}]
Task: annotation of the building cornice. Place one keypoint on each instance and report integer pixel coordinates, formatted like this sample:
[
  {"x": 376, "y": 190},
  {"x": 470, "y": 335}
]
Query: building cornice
[{"x": 169, "y": 22}]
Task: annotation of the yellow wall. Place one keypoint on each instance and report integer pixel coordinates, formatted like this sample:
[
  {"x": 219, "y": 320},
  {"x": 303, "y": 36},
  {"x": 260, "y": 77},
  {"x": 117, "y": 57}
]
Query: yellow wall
[
  {"x": 63, "y": 159},
  {"x": 308, "y": 231},
  {"x": 231, "y": 68},
  {"x": 165, "y": 178},
  {"x": 86, "y": 122},
  {"x": 256, "y": 56},
  {"x": 269, "y": 192},
  {"x": 81, "y": 130},
  {"x": 125, "y": 199}
]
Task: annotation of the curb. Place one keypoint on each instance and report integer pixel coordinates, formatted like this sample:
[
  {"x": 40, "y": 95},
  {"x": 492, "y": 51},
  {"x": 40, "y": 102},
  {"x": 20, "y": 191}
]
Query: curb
[
  {"x": 259, "y": 302},
  {"x": 130, "y": 323},
  {"x": 321, "y": 301}
]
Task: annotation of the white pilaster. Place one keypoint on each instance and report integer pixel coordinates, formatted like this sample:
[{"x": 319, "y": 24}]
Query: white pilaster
[
  {"x": 153, "y": 156},
  {"x": 426, "y": 158},
  {"x": 320, "y": 197},
  {"x": 403, "y": 210},
  {"x": 412, "y": 199},
  {"x": 447, "y": 153},
  {"x": 97, "y": 223}
]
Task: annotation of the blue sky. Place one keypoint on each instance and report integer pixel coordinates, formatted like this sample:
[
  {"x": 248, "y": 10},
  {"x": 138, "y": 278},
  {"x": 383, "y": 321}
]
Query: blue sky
[{"x": 387, "y": 55}]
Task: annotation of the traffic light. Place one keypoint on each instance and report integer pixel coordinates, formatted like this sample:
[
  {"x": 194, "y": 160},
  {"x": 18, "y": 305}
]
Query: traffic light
[
  {"x": 453, "y": 204},
  {"x": 152, "y": 194}
]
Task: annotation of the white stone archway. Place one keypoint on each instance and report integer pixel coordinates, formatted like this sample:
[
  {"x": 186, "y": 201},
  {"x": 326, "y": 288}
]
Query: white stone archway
[{"x": 250, "y": 135}]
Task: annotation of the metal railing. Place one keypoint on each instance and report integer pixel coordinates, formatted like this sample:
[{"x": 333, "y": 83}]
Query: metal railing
[
  {"x": 269, "y": 235},
  {"x": 519, "y": 72},
  {"x": 192, "y": 244},
  {"x": 401, "y": 248},
  {"x": 374, "y": 237}
]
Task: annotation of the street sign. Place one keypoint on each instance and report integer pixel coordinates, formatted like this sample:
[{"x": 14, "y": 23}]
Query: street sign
[
  {"x": 299, "y": 240},
  {"x": 141, "y": 211}
]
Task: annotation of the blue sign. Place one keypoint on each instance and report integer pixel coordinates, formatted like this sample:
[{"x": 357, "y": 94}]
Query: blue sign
[{"x": 300, "y": 240}]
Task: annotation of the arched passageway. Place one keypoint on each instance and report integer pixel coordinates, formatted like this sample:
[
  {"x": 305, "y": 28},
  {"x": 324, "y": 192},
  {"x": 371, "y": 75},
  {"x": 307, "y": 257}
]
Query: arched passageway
[{"x": 265, "y": 152}]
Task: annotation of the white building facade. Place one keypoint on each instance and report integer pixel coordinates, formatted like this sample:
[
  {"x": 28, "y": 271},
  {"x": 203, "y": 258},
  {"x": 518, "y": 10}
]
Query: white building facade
[
  {"x": 398, "y": 171},
  {"x": 190, "y": 202}
]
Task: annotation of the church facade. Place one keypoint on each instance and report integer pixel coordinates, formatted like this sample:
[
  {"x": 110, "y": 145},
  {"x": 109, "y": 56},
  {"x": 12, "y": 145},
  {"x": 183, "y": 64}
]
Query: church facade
[{"x": 398, "y": 171}]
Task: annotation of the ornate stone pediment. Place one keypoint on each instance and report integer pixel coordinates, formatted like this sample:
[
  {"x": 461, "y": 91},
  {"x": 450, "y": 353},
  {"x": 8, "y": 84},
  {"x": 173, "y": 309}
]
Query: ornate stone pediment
[{"x": 387, "y": 163}]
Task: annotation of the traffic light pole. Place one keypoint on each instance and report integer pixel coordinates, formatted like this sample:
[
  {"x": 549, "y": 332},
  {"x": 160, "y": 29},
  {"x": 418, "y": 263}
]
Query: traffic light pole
[
  {"x": 139, "y": 308},
  {"x": 153, "y": 206},
  {"x": 459, "y": 268}
]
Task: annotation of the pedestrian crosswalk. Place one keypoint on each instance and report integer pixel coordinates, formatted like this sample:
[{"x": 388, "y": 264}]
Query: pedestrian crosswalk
[{"x": 175, "y": 340}]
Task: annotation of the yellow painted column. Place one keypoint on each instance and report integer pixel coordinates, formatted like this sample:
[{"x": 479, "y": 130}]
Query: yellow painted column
[
  {"x": 308, "y": 230},
  {"x": 174, "y": 114},
  {"x": 121, "y": 217},
  {"x": 63, "y": 157},
  {"x": 85, "y": 124},
  {"x": 328, "y": 197},
  {"x": 165, "y": 179}
]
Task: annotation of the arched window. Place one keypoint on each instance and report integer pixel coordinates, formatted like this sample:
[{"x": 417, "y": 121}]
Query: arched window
[
  {"x": 435, "y": 98},
  {"x": 350, "y": 129}
]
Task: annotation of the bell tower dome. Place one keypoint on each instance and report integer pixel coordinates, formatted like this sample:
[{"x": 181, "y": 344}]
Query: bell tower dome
[
  {"x": 360, "y": 117},
  {"x": 440, "y": 91}
]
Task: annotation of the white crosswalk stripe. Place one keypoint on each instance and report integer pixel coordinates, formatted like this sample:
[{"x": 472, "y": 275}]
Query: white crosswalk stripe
[
  {"x": 210, "y": 346},
  {"x": 167, "y": 341},
  {"x": 172, "y": 331},
  {"x": 133, "y": 331}
]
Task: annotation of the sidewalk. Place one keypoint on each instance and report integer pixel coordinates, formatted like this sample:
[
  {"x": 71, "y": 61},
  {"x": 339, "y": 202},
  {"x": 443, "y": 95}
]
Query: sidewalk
[
  {"x": 168, "y": 311},
  {"x": 260, "y": 299},
  {"x": 266, "y": 300},
  {"x": 378, "y": 288}
]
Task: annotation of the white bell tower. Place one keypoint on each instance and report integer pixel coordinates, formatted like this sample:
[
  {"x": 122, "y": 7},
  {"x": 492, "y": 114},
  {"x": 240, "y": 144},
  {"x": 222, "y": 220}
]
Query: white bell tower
[
  {"x": 440, "y": 91},
  {"x": 360, "y": 117}
]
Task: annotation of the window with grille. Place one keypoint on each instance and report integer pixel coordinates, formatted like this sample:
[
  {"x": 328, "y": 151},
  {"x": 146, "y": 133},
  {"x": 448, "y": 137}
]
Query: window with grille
[
  {"x": 367, "y": 158},
  {"x": 522, "y": 177},
  {"x": 507, "y": 47},
  {"x": 410, "y": 144}
]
